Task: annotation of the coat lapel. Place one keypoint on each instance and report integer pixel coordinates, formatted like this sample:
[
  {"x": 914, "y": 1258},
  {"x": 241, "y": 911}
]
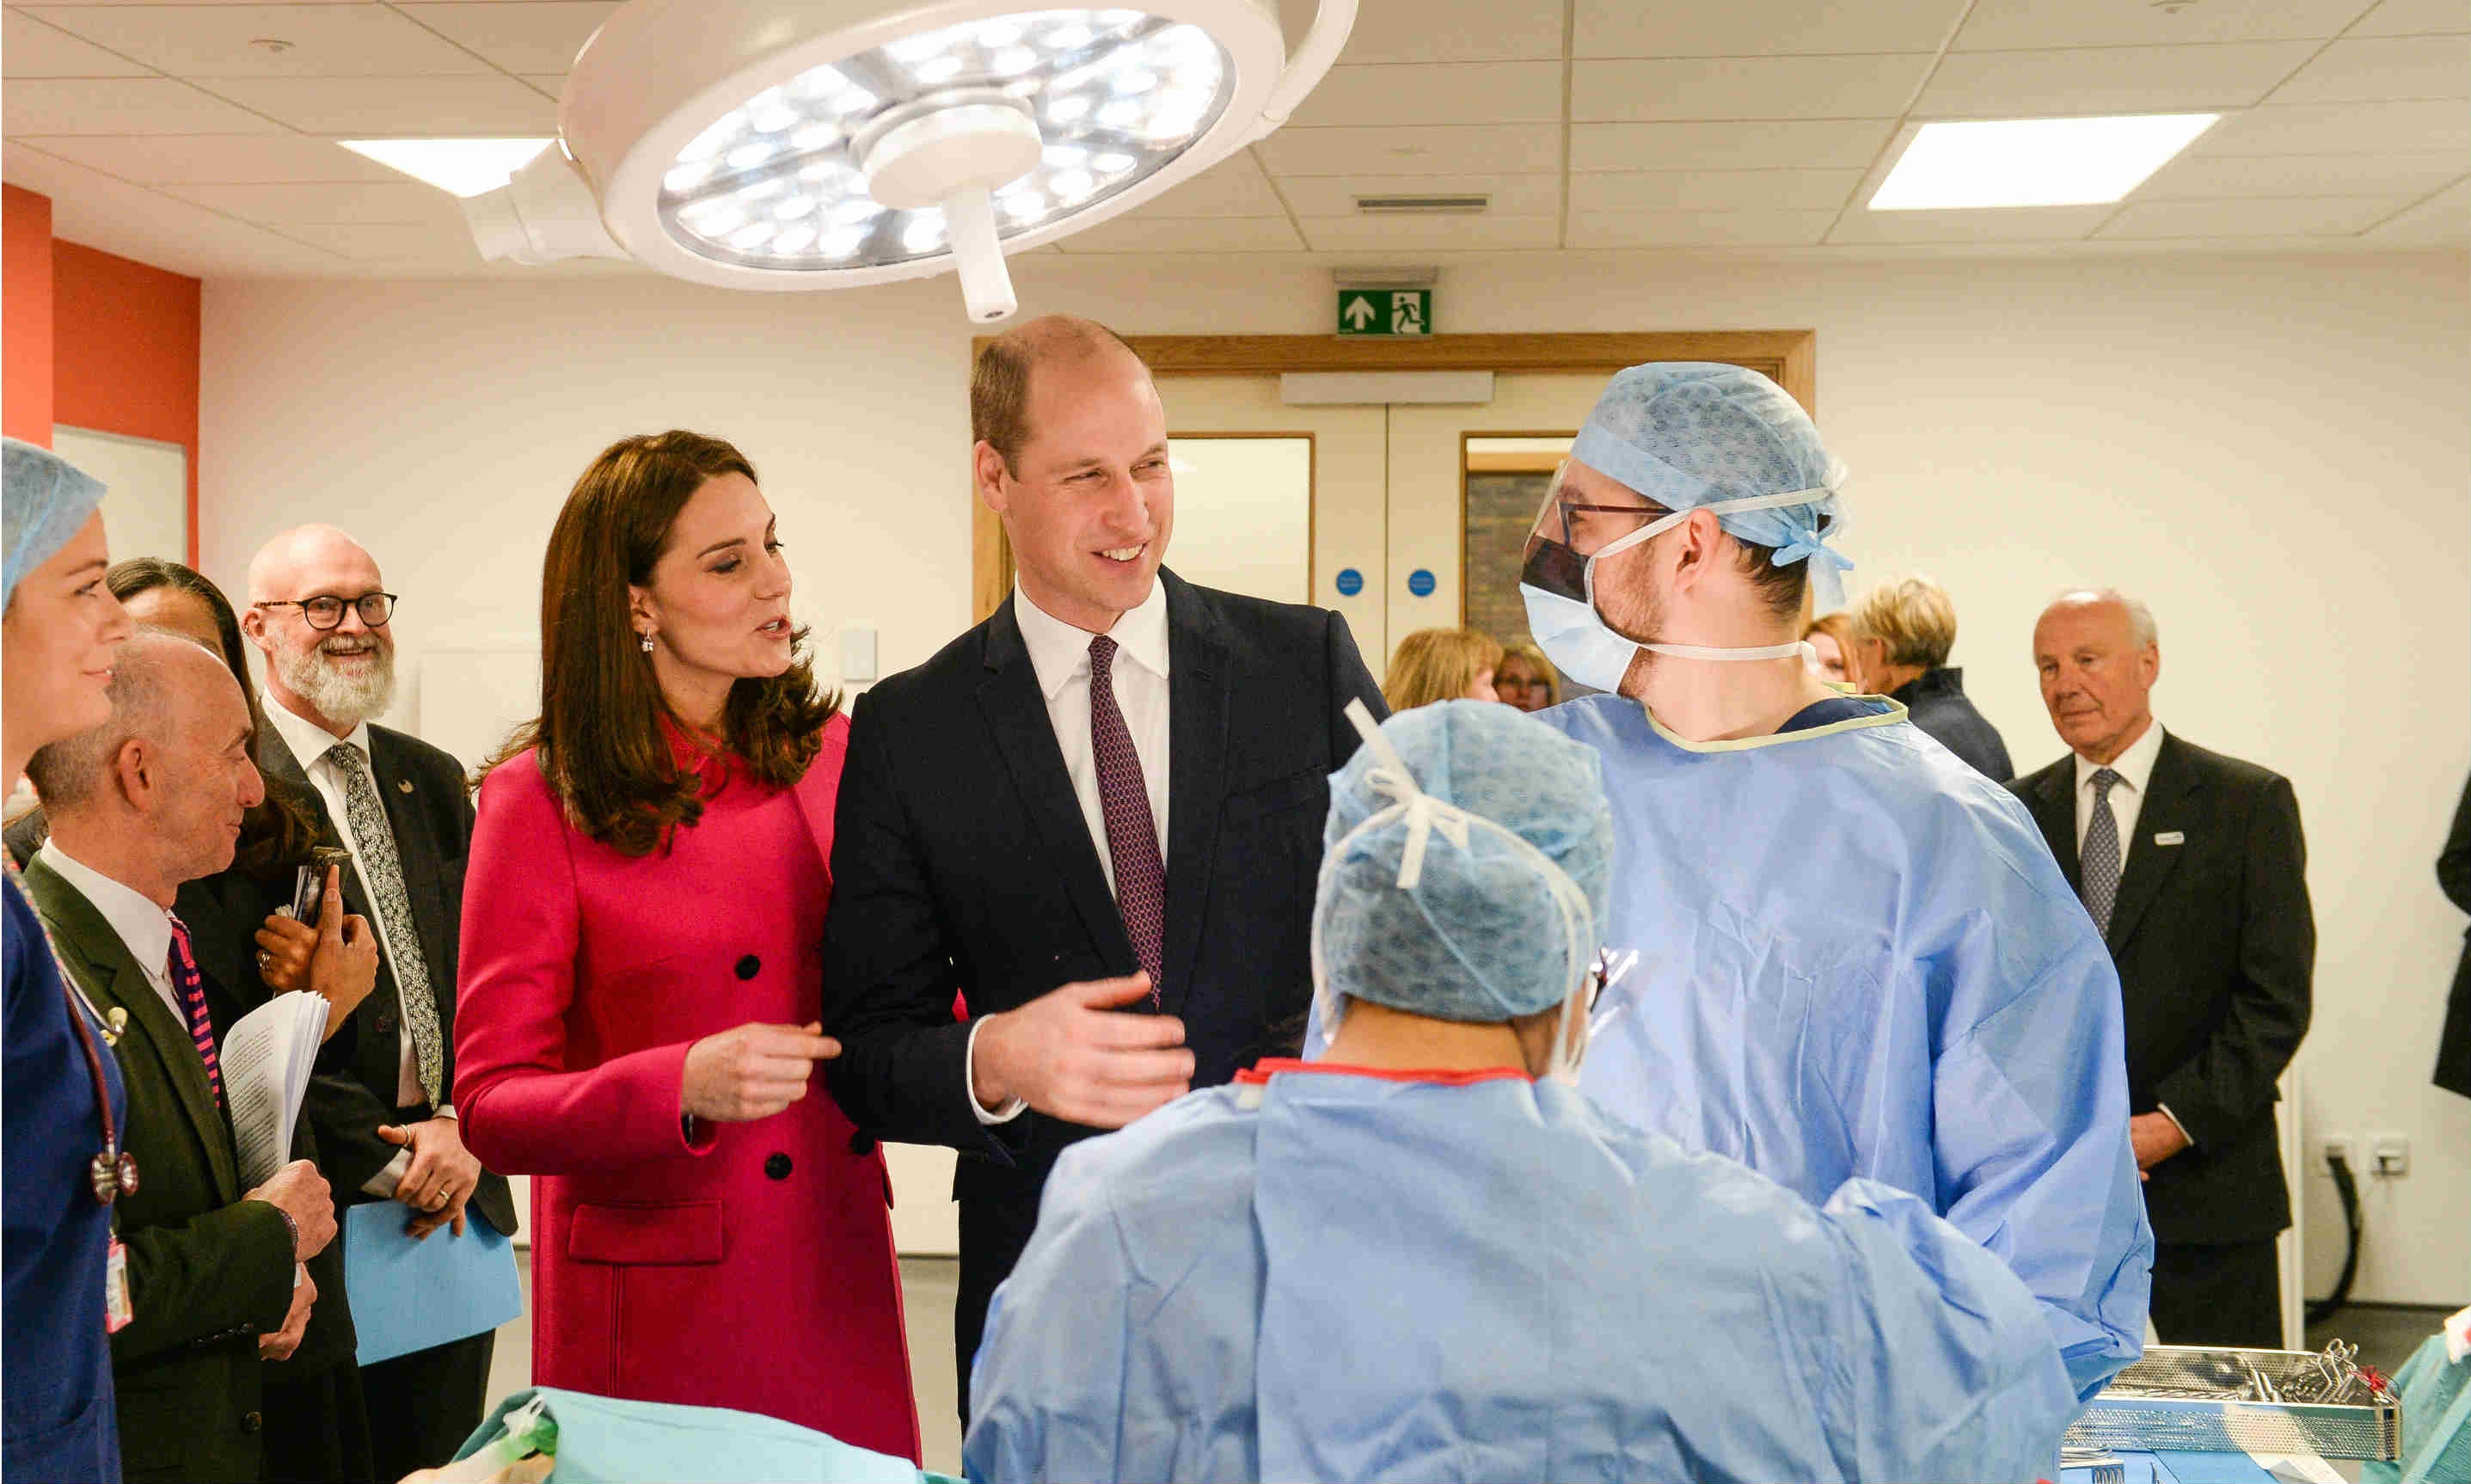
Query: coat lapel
[
  {"x": 110, "y": 978},
  {"x": 1199, "y": 677},
  {"x": 2170, "y": 806},
  {"x": 2055, "y": 810},
  {"x": 1016, "y": 713},
  {"x": 275, "y": 758}
]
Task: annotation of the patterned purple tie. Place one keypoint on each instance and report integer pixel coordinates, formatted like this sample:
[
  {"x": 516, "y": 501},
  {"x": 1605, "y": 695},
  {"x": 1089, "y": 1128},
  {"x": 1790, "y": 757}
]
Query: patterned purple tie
[
  {"x": 193, "y": 998},
  {"x": 1131, "y": 835}
]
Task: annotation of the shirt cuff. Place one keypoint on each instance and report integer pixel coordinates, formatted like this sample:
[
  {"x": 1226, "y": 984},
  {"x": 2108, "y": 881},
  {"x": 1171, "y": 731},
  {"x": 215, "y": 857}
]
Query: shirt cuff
[
  {"x": 2164, "y": 1109},
  {"x": 381, "y": 1185},
  {"x": 1012, "y": 1108},
  {"x": 444, "y": 1111}
]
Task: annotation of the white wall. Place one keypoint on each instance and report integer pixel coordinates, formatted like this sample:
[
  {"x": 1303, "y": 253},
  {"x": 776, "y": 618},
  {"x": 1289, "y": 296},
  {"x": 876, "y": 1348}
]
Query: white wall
[{"x": 2276, "y": 452}]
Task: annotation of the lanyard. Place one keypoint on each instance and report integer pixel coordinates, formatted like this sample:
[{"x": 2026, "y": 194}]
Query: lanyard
[{"x": 113, "y": 1170}]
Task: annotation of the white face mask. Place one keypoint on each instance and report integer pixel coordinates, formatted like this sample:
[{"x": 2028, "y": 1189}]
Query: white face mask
[{"x": 1560, "y": 603}]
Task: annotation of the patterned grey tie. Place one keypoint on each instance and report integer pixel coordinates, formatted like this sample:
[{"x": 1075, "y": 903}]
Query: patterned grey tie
[
  {"x": 382, "y": 872},
  {"x": 2098, "y": 862}
]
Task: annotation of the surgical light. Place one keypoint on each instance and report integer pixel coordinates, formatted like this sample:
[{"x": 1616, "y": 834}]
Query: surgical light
[{"x": 823, "y": 143}]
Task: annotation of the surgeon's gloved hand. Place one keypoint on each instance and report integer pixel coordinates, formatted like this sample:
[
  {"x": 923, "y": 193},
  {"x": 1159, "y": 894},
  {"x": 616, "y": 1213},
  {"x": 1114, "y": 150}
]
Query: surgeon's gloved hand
[{"x": 1072, "y": 1054}]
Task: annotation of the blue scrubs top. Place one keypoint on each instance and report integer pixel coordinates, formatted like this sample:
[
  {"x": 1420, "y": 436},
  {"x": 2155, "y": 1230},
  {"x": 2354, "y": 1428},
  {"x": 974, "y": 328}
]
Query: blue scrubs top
[
  {"x": 1328, "y": 1273},
  {"x": 59, "y": 1420},
  {"x": 1857, "y": 959}
]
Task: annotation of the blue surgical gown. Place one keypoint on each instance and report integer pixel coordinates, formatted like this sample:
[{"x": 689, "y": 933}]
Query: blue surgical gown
[
  {"x": 1344, "y": 1275},
  {"x": 1858, "y": 958}
]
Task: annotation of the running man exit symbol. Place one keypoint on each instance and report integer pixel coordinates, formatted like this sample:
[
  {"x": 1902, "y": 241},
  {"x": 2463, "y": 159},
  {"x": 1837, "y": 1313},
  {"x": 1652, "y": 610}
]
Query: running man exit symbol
[{"x": 1385, "y": 312}]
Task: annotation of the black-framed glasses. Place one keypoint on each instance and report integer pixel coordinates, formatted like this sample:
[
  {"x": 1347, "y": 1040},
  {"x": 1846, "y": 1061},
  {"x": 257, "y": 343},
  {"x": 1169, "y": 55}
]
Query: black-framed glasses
[{"x": 375, "y": 608}]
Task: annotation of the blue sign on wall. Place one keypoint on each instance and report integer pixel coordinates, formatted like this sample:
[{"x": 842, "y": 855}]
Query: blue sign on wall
[
  {"x": 1349, "y": 581},
  {"x": 1421, "y": 582}
]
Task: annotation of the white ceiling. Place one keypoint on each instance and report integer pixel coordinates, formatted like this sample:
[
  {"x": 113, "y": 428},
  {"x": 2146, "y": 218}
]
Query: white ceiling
[{"x": 198, "y": 135}]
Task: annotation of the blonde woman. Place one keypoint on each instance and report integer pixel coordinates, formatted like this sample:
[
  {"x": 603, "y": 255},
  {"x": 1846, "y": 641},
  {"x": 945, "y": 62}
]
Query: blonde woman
[
  {"x": 1902, "y": 634},
  {"x": 1442, "y": 665},
  {"x": 1525, "y": 678}
]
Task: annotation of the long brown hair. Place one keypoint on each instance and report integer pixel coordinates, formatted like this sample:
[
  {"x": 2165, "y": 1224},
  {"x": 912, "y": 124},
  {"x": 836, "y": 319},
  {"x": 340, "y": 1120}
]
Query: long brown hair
[
  {"x": 281, "y": 828},
  {"x": 598, "y": 733}
]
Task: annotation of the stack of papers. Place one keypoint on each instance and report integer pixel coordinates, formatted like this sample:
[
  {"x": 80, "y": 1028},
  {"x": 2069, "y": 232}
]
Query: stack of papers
[{"x": 266, "y": 1064}]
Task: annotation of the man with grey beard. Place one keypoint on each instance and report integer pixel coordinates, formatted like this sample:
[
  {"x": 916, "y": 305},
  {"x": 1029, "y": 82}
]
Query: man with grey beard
[{"x": 382, "y": 1102}]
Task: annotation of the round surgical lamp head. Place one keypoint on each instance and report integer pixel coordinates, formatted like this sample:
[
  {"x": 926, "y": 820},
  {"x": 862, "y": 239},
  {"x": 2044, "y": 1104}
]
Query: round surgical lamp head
[{"x": 825, "y": 144}]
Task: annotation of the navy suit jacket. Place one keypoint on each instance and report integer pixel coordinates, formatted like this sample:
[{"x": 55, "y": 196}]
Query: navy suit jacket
[{"x": 961, "y": 861}]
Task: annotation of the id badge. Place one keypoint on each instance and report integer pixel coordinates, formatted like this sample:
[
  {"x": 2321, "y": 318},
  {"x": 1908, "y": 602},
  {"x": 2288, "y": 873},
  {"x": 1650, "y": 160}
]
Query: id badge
[{"x": 117, "y": 1311}]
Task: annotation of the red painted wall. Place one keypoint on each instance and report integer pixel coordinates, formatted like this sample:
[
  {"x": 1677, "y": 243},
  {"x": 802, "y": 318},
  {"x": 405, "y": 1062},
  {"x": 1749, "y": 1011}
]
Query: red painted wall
[
  {"x": 26, "y": 315},
  {"x": 125, "y": 352}
]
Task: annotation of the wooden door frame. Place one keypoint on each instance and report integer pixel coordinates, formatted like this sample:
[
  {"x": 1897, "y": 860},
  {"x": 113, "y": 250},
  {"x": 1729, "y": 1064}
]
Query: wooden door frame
[{"x": 1789, "y": 358}]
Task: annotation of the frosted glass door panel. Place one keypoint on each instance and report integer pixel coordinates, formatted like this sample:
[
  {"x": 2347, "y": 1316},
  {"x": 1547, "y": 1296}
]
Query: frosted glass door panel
[
  {"x": 146, "y": 512},
  {"x": 1243, "y": 514}
]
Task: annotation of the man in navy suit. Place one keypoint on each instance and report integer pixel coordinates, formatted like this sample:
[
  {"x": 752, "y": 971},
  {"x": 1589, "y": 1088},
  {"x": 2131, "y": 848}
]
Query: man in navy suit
[{"x": 1097, "y": 816}]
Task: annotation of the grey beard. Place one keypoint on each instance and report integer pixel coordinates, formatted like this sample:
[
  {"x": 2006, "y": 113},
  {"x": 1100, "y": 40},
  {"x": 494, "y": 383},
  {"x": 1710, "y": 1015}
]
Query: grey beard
[{"x": 339, "y": 699}]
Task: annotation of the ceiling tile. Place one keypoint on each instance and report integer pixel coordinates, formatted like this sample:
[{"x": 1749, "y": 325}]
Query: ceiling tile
[
  {"x": 151, "y": 228},
  {"x": 2314, "y": 216},
  {"x": 1524, "y": 148},
  {"x": 2341, "y": 129},
  {"x": 1223, "y": 234},
  {"x": 1758, "y": 28},
  {"x": 2445, "y": 216},
  {"x": 1697, "y": 228},
  {"x": 1455, "y": 31},
  {"x": 30, "y": 48},
  {"x": 1429, "y": 234},
  {"x": 490, "y": 103},
  {"x": 1712, "y": 190},
  {"x": 2112, "y": 80},
  {"x": 274, "y": 205},
  {"x": 151, "y": 159},
  {"x": 379, "y": 241},
  {"x": 1512, "y": 196},
  {"x": 2203, "y": 177},
  {"x": 2415, "y": 18},
  {"x": 1747, "y": 88},
  {"x": 1841, "y": 145},
  {"x": 221, "y": 40},
  {"x": 541, "y": 37},
  {"x": 1501, "y": 92},
  {"x": 121, "y": 105},
  {"x": 2384, "y": 69},
  {"x": 2024, "y": 224},
  {"x": 1235, "y": 187},
  {"x": 2030, "y": 25}
]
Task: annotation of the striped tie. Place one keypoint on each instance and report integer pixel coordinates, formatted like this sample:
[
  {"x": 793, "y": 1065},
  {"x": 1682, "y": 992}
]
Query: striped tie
[{"x": 193, "y": 998}]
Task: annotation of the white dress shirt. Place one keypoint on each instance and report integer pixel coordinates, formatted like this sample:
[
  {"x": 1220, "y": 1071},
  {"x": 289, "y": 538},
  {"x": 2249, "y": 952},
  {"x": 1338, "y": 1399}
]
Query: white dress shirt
[
  {"x": 2135, "y": 770},
  {"x": 1059, "y": 653},
  {"x": 143, "y": 928}
]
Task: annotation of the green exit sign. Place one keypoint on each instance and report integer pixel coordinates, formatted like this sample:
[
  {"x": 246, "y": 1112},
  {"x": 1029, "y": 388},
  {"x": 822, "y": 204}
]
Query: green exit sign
[{"x": 1385, "y": 311}]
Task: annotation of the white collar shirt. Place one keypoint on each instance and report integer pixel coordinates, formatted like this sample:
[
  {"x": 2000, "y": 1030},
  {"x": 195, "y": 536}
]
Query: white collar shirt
[
  {"x": 2135, "y": 770},
  {"x": 314, "y": 747},
  {"x": 141, "y": 925},
  {"x": 1060, "y": 654}
]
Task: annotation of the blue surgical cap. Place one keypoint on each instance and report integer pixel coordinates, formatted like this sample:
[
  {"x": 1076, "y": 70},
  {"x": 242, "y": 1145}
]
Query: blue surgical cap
[
  {"x": 1691, "y": 432},
  {"x": 1482, "y": 936},
  {"x": 45, "y": 499}
]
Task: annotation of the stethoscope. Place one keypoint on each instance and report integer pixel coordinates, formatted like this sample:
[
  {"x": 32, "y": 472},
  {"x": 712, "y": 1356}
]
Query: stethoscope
[{"x": 113, "y": 1170}]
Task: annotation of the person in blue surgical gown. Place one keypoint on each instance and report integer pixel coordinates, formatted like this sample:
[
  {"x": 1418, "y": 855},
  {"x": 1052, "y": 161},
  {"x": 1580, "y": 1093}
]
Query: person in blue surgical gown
[
  {"x": 1428, "y": 1256},
  {"x": 1856, "y": 957}
]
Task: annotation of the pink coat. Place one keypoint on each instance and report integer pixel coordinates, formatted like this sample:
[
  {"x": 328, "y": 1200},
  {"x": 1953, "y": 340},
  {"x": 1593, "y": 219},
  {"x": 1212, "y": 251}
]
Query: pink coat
[{"x": 753, "y": 1268}]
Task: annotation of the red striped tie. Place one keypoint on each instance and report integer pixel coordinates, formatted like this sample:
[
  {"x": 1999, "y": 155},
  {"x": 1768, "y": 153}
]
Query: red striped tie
[{"x": 193, "y": 998}]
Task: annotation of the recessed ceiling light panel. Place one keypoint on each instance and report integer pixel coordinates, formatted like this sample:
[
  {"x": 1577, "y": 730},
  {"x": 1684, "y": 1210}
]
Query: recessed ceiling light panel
[
  {"x": 2034, "y": 162},
  {"x": 817, "y": 144},
  {"x": 459, "y": 167}
]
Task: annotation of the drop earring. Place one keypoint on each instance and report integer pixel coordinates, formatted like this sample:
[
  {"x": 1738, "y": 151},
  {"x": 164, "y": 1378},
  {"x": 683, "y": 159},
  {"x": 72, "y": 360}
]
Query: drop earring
[{"x": 647, "y": 644}]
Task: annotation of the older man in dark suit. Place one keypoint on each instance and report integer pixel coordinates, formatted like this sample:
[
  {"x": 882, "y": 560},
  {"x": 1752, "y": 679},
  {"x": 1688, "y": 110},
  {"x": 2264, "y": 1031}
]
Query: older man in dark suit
[
  {"x": 150, "y": 801},
  {"x": 2193, "y": 866},
  {"x": 1097, "y": 815},
  {"x": 385, "y": 1130}
]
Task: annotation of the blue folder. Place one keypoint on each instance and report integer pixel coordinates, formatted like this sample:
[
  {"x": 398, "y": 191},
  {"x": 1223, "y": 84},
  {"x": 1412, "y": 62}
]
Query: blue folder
[{"x": 410, "y": 1296}]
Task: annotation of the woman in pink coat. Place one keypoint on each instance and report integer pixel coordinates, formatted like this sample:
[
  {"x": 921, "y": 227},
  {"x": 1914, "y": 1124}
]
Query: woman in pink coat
[{"x": 637, "y": 1024}]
